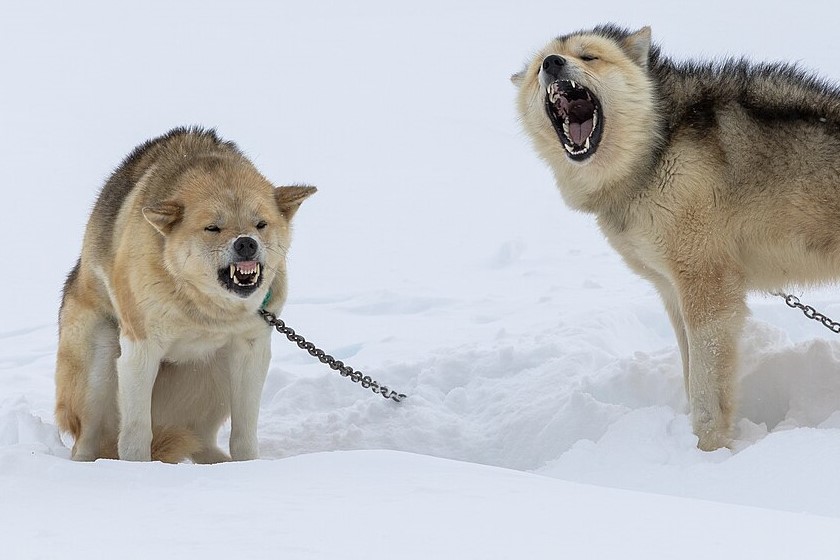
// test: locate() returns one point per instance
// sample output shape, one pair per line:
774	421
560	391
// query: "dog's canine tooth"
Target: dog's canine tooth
232	271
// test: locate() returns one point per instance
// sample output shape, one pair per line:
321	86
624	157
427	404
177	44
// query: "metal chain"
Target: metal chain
810	312
337	365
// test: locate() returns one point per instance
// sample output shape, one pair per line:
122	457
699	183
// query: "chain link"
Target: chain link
343	369
810	312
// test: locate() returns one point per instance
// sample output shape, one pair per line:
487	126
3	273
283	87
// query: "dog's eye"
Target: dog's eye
261	225
588	57
214	229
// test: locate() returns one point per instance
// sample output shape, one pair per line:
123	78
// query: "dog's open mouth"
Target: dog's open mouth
576	115
241	277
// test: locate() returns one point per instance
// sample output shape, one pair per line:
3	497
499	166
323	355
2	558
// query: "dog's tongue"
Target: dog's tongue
580	120
579	132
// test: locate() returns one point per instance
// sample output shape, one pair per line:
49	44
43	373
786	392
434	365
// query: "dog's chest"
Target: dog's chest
198	347
641	247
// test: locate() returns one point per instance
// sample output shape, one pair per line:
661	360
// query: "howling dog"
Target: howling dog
160	341
710	179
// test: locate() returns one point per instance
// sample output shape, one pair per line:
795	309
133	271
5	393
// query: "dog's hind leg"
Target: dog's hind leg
672	306
86	377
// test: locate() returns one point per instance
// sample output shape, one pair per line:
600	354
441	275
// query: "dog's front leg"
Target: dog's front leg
249	361
714	308
137	369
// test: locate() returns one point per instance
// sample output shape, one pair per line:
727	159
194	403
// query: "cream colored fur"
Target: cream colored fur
712	211
154	352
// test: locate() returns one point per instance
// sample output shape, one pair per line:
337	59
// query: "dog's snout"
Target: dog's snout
553	65
245	247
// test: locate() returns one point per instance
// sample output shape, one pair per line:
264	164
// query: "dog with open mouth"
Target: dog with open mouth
160	341
573	109
711	179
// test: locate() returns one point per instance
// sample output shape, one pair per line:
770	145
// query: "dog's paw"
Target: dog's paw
711	439
134	451
210	456
244	448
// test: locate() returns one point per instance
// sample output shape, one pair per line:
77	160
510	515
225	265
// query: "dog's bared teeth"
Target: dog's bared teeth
257	272
232	271
574	84
552	91
569	148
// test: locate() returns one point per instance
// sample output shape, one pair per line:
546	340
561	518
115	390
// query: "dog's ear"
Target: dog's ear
637	46
516	79
289	199
164	216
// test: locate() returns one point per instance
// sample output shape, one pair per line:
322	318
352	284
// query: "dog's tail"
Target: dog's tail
172	444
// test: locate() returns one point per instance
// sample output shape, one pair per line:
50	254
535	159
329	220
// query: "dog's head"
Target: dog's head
586	100
226	229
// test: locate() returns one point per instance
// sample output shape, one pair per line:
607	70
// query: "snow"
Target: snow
546	415
376	504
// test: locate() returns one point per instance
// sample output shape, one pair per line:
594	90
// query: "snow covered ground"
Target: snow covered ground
546	415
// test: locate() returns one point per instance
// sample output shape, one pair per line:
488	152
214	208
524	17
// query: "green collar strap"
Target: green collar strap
267	299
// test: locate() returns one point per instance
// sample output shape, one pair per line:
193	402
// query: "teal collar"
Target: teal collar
266	300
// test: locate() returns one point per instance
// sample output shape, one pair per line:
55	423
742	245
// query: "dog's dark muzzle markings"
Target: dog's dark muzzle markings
244	274
574	111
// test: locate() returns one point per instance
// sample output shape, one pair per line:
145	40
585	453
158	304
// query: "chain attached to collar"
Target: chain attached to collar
337	365
810	312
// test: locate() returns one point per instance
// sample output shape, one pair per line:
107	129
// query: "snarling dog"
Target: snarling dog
160	341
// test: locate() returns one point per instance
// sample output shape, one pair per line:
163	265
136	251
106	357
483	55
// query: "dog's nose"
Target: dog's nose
553	65
245	247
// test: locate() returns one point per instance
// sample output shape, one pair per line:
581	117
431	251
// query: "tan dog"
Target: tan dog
159	337
711	180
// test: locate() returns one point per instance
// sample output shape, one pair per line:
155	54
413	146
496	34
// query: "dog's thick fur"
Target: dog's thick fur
159	337
710	179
